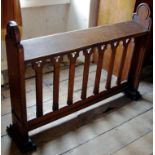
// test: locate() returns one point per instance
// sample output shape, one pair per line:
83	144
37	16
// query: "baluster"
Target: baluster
125	48
38	67
56	64
72	58
87	53
101	51
111	65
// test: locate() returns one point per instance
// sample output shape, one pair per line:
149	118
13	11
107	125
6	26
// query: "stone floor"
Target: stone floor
126	130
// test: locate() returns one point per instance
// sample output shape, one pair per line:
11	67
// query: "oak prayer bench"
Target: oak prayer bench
54	47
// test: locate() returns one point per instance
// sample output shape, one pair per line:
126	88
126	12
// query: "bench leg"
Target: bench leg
136	67
25	145
133	94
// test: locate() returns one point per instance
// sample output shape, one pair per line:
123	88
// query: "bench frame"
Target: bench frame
19	130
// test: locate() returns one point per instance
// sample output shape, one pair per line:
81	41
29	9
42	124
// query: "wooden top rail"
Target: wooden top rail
63	43
70	41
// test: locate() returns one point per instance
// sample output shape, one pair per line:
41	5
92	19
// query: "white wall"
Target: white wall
39	21
78	17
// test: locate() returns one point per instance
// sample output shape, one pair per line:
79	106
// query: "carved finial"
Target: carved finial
142	15
13	31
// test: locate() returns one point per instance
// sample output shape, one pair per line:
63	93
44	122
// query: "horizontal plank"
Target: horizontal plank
69	41
71	132
142	146
109	142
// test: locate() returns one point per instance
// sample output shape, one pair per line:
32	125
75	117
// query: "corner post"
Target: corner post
18	131
142	17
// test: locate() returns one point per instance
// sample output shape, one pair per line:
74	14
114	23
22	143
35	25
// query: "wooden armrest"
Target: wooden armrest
70	41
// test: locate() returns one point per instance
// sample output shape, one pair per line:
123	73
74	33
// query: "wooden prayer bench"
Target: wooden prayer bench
54	47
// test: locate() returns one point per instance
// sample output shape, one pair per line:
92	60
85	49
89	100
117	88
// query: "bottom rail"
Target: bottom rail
52	116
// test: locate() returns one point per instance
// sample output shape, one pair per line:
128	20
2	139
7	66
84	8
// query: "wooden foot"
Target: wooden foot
25	145
133	94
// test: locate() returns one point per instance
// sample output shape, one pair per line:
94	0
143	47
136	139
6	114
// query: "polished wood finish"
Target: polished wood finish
54	48
121	67
72	58
11	10
137	62
101	50
149	49
56	64
91	100
114	46
87	53
142	16
71	41
38	67
16	67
